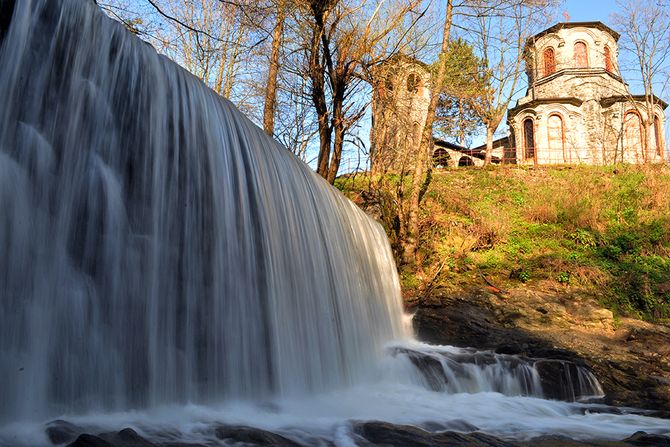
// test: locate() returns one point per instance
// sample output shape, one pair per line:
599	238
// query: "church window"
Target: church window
608	60
549	61
581	55
529	138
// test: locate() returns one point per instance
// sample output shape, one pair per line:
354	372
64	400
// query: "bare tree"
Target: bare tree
343	38
645	28
499	34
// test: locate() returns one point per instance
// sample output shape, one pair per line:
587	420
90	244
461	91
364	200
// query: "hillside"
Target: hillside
569	262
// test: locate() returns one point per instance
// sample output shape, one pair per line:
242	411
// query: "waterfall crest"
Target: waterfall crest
159	247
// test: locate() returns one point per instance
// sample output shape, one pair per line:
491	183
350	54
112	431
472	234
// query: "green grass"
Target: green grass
602	229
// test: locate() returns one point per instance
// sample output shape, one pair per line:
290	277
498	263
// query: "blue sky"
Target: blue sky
589	10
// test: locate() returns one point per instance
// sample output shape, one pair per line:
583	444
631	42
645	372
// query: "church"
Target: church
577	108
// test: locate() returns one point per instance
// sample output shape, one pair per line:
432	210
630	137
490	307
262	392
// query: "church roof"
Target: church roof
598	25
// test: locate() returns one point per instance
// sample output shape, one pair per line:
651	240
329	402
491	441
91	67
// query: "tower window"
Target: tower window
549	61
608	60
581	55
413	83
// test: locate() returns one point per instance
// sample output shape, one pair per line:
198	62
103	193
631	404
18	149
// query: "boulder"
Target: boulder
253	436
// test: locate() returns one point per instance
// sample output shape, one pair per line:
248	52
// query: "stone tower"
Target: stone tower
400	102
577	108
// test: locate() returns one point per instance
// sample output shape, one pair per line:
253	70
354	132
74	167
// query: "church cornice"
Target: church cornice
536	102
577	72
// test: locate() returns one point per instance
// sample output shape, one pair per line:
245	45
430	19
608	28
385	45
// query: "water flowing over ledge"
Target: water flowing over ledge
167	266
157	246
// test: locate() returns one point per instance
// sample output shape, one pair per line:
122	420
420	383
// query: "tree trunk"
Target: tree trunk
649	148
337	146
316	74
489	145
420	180
271	89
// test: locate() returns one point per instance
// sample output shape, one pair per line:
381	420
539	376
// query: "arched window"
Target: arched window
632	132
412	83
388	84
555	132
658	142
581	55
549	61
608	60
529	138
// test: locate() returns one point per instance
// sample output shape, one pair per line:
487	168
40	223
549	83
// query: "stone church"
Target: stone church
577	108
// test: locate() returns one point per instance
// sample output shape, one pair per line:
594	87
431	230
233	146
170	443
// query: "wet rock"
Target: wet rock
87	440
644	439
124	438
554	376
6	10
455	425
60	432
430	367
632	363
254	436
385	434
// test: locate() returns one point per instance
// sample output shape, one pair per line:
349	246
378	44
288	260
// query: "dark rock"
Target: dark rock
254	436
429	367
60	432
644	439
385	434
86	440
124	438
562	441
553	374
455	425
6	11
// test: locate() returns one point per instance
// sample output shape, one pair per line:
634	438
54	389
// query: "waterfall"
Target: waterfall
156	245
167	266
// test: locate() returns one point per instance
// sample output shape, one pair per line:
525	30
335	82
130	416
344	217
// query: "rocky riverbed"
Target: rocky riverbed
364	434
630	358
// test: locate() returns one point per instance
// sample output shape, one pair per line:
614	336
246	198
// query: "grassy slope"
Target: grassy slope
603	231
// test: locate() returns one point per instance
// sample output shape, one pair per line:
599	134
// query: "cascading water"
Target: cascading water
157	247
160	253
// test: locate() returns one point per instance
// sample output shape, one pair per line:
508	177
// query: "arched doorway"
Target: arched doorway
465	161
441	158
